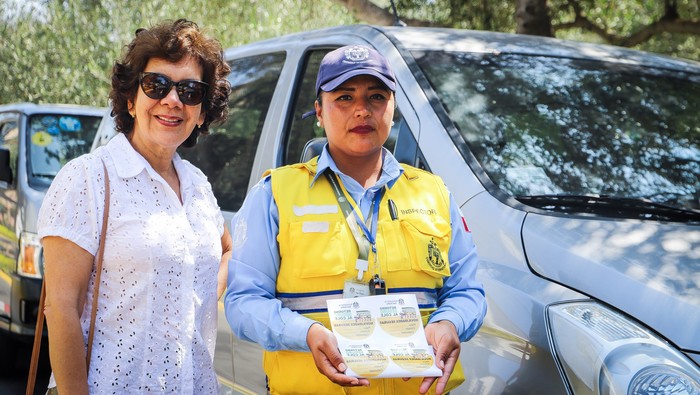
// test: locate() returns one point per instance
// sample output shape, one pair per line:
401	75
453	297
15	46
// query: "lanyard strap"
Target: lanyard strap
357	227
363	243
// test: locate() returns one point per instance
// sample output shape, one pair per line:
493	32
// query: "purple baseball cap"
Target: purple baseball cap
346	62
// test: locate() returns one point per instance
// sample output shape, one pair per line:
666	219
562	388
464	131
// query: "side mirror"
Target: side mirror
5	169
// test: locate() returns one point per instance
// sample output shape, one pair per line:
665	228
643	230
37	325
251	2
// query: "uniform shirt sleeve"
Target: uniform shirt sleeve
461	300
252	309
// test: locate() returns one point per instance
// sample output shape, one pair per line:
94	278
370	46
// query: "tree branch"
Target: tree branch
369	12
682	26
670	22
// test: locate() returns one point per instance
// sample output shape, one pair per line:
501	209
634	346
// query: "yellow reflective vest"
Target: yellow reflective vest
318	254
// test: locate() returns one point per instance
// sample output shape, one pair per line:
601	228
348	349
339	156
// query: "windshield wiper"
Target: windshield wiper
619	207
44	175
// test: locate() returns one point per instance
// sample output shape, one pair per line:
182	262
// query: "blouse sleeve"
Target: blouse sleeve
72	208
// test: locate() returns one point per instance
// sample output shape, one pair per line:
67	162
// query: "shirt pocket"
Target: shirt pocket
318	248
395	252
428	245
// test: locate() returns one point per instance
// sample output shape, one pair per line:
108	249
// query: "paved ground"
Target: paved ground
15	382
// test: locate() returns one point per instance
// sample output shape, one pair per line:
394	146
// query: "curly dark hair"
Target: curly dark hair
171	41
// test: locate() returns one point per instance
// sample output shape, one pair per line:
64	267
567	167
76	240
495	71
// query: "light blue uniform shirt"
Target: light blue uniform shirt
254	312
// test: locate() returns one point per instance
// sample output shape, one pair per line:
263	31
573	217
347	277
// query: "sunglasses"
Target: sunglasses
157	86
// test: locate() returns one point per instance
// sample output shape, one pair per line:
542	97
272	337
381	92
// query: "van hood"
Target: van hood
648	270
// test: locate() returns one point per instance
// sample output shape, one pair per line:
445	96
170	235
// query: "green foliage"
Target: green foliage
619	18
623	18
676	45
496	15
63	51
58	61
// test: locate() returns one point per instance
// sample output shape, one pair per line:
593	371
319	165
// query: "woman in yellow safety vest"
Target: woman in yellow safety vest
351	222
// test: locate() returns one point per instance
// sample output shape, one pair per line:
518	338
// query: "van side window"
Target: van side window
302	130
226	155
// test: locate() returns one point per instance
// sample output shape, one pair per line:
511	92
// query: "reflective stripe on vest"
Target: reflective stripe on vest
315	302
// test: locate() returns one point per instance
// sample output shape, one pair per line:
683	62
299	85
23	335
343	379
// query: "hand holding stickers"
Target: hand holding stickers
382	336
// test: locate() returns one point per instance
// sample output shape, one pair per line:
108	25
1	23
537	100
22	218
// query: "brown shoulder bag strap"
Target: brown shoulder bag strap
33	366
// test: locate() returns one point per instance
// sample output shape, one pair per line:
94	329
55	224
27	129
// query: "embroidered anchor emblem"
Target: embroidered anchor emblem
434	257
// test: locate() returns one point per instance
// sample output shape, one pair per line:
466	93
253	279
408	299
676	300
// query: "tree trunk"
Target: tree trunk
532	18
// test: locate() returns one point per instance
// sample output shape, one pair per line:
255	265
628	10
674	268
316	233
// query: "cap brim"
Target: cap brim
308	114
336	82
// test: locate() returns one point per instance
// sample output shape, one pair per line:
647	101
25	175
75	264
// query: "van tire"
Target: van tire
8	350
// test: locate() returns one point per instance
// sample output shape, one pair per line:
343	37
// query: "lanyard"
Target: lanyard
358	228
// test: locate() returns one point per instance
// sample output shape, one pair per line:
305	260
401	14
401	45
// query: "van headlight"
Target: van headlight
602	352
29	262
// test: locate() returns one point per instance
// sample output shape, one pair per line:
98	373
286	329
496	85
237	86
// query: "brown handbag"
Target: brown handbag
33	365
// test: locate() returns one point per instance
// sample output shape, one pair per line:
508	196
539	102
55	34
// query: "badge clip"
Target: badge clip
361	265
377	286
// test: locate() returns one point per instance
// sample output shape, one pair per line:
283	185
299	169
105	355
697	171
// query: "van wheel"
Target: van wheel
8	350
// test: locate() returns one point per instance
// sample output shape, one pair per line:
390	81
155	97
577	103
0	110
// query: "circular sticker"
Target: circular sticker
354	326
399	321
53	130
366	362
413	360
49	120
42	139
70	124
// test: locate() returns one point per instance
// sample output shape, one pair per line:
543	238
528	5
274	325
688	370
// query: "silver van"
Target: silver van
576	166
35	141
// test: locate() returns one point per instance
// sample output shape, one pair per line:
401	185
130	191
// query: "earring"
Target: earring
392	123
318	123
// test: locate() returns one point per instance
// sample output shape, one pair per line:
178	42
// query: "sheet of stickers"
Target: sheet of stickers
382	336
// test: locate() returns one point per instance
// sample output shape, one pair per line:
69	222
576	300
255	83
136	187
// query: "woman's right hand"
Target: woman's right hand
329	361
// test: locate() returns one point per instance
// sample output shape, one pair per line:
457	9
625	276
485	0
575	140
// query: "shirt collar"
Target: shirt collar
129	163
391	169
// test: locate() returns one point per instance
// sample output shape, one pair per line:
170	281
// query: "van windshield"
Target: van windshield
545	126
54	139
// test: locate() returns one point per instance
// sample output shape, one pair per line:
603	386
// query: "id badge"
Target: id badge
355	289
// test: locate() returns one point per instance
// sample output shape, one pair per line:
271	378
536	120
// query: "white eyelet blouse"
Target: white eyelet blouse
156	321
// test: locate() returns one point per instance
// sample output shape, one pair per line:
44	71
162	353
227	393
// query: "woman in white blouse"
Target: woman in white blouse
166	249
